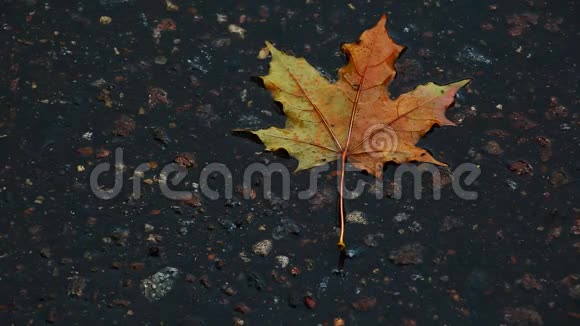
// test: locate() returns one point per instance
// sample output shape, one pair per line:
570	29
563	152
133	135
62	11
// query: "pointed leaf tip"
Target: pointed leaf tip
456	86
382	23
464	82
271	46
382	20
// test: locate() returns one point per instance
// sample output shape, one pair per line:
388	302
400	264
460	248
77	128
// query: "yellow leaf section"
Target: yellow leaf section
316	119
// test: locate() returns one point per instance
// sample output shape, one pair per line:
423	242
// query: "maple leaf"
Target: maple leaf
353	119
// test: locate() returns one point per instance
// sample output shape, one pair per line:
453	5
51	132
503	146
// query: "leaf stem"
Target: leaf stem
344	154
341	244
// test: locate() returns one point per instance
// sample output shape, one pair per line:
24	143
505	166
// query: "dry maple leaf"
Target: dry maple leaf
354	118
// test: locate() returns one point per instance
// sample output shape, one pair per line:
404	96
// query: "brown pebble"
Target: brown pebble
338	321
309	302
364	304
492	147
45	252
51	318
521	168
242	308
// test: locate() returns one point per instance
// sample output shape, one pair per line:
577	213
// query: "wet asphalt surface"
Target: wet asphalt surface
168	83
